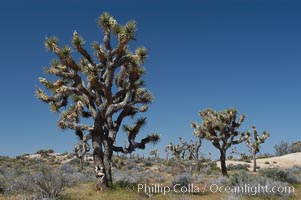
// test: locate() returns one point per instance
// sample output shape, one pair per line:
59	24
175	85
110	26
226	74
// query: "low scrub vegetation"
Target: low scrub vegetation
36	178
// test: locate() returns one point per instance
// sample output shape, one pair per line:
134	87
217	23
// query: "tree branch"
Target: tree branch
134	145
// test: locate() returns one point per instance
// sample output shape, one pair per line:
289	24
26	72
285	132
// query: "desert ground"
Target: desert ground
18	177
283	162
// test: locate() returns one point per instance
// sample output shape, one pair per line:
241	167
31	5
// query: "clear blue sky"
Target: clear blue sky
237	53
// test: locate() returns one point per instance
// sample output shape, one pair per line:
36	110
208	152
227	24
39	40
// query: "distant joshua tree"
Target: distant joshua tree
255	143
105	89
82	148
154	153
185	150
220	128
176	150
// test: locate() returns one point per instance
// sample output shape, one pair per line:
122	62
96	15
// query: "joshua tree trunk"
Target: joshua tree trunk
101	182
223	163
108	153
196	154
254	161
81	161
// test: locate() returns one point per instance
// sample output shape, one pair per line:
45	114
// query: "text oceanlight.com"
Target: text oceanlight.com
213	188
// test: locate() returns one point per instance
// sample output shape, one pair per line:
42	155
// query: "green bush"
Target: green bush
182	180
48	184
148	163
241	178
232	167
274	174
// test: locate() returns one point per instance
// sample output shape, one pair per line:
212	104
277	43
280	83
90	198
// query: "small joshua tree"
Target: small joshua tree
176	150
255	143
105	89
220	128
185	150
154	153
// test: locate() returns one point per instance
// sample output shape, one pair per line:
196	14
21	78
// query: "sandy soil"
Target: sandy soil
285	161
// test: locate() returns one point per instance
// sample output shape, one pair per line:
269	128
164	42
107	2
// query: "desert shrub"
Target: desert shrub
242	178
45	183
2	184
22	184
293	175
210	168
73	175
119	162
65	153
282	148
213	164
265	155
238	167
158	178
75	161
70	156
139	160
140	169
124	178
199	178
131	164
295	147
47	150
49	184
295	169
23	156
148	163
167	169
68	169
42	151
157	160
8	177
266	162
35	164
220	180
50	151
230	157
285	148
170	163
274	174
136	160
182	180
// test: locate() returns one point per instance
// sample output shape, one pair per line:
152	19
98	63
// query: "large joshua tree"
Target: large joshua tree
220	128
103	90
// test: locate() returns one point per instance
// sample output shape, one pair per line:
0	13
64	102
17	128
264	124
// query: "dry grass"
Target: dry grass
87	192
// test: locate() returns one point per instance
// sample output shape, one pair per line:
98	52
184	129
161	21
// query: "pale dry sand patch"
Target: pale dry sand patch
284	162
